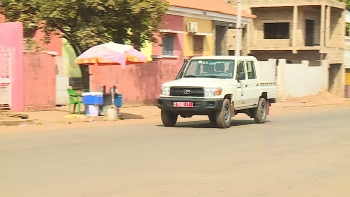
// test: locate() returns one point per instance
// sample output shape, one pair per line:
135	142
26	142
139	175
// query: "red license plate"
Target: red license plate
183	104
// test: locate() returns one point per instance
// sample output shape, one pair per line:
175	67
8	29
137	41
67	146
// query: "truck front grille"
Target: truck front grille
195	92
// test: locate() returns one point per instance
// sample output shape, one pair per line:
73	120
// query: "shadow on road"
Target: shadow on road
207	124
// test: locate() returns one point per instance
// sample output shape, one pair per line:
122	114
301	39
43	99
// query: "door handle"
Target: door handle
246	85
257	84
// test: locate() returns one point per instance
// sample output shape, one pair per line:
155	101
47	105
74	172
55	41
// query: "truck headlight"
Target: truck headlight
212	92
165	91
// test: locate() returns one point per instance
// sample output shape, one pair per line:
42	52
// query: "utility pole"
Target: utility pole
238	28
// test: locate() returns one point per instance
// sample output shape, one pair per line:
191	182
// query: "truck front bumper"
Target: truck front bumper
200	105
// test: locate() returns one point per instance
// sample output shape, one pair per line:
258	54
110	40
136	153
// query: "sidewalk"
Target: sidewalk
60	115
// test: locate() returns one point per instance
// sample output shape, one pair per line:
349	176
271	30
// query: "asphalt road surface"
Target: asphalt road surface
297	153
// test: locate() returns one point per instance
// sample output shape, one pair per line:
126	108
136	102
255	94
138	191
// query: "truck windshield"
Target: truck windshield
217	68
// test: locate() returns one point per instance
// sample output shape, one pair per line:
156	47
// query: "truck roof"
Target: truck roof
231	57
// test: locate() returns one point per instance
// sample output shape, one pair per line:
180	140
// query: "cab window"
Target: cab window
251	70
241	73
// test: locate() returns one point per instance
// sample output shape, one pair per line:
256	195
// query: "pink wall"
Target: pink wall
172	22
175	23
39	81
54	45
11	36
139	84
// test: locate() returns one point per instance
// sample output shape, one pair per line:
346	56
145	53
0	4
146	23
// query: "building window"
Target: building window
198	42
276	30
168	44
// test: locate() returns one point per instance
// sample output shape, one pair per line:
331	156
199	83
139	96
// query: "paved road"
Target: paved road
297	153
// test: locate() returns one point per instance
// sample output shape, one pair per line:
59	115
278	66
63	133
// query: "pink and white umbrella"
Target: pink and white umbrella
111	54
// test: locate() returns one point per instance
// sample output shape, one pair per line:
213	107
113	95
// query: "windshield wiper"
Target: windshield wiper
190	76
211	76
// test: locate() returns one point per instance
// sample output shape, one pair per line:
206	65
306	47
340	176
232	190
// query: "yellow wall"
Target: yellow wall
204	26
347	76
147	50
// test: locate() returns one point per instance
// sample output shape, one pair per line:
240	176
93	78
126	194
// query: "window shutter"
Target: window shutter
168	44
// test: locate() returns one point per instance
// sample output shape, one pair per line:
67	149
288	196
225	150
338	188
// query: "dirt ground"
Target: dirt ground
323	98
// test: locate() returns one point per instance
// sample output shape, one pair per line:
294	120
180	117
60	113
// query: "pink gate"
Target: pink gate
5	77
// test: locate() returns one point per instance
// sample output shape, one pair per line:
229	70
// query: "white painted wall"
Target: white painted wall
299	80
295	80
267	70
62	83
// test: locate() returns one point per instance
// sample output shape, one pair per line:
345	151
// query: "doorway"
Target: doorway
220	32
309	32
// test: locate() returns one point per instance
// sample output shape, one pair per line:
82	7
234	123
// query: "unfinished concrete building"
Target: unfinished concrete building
296	30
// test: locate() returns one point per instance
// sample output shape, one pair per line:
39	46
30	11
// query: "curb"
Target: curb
6	123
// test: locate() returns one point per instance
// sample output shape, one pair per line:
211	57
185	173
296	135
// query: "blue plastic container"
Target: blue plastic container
118	101
92	98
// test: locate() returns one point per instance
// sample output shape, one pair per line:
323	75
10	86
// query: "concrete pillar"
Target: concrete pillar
224	45
295	28
322	29
325	76
280	79
273	63
328	25
307	89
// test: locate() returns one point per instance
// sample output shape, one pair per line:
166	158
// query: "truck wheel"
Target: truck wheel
223	117
169	119
260	111
212	117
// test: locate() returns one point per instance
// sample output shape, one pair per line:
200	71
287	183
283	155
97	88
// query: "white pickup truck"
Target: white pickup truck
219	87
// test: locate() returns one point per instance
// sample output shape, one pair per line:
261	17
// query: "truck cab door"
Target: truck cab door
253	84
241	77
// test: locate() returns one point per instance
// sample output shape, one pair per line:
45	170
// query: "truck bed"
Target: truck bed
270	87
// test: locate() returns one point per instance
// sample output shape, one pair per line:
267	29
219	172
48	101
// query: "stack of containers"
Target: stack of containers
92	102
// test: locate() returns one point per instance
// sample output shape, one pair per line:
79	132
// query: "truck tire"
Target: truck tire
169	119
223	117
260	112
212	117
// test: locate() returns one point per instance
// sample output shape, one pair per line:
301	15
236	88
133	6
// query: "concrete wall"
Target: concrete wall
268	70
11	36
270	15
312	56
54	45
298	80
39	82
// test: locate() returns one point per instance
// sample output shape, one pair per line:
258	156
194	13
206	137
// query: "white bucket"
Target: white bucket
93	110
111	114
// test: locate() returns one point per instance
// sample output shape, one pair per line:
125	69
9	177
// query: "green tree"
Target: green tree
85	23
